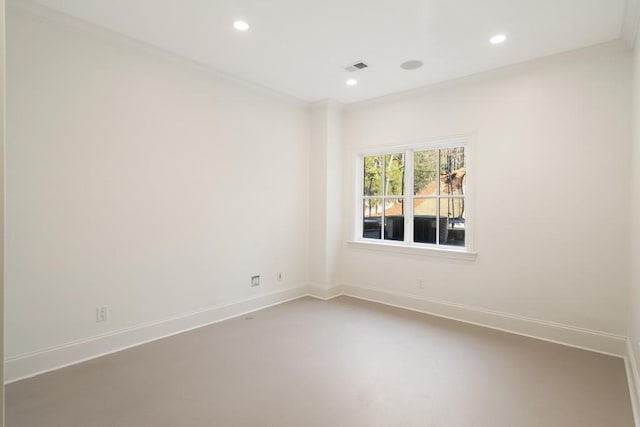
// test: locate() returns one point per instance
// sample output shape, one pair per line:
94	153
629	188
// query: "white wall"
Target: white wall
2	148
634	296
318	187
551	179
140	182
325	214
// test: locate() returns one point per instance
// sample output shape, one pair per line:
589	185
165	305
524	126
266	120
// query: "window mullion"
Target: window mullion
360	210
408	197
437	197
383	193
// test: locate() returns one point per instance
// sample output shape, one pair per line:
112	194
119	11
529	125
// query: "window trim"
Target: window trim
412	249
406	246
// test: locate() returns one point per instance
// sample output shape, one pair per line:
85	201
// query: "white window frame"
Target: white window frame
408	246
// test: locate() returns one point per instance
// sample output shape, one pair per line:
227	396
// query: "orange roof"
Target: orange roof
430	189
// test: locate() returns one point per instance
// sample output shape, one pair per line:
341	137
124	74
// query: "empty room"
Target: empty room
333	213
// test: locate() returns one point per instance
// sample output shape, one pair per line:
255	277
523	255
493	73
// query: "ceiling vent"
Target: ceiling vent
357	66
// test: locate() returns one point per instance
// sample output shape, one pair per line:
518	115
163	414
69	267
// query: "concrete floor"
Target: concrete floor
343	362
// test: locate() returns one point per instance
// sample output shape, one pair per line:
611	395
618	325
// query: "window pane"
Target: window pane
394	219
394	174
372	219
452	171
424	172
452	211
424	220
372	176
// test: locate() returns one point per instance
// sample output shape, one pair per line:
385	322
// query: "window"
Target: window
416	196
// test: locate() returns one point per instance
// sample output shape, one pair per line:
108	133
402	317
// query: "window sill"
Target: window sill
399	248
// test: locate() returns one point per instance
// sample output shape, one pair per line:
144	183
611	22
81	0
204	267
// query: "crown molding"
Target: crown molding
48	15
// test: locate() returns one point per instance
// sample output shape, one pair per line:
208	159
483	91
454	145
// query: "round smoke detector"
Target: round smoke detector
411	65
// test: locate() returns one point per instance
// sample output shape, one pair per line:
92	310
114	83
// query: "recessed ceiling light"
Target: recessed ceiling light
498	38
411	65
352	82
240	25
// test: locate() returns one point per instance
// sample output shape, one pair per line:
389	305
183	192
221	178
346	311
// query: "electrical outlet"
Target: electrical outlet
255	281
279	276
101	314
421	283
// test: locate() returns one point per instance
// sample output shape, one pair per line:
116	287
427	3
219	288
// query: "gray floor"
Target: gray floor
343	362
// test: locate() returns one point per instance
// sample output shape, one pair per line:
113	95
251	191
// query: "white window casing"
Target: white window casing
408	246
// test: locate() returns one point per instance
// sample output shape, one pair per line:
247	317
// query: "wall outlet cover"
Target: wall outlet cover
102	314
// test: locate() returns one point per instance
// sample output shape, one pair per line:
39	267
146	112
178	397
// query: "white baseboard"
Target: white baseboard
324	292
31	364
634	381
586	339
38	362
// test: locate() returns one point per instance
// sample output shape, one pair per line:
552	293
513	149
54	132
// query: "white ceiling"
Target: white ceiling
299	47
